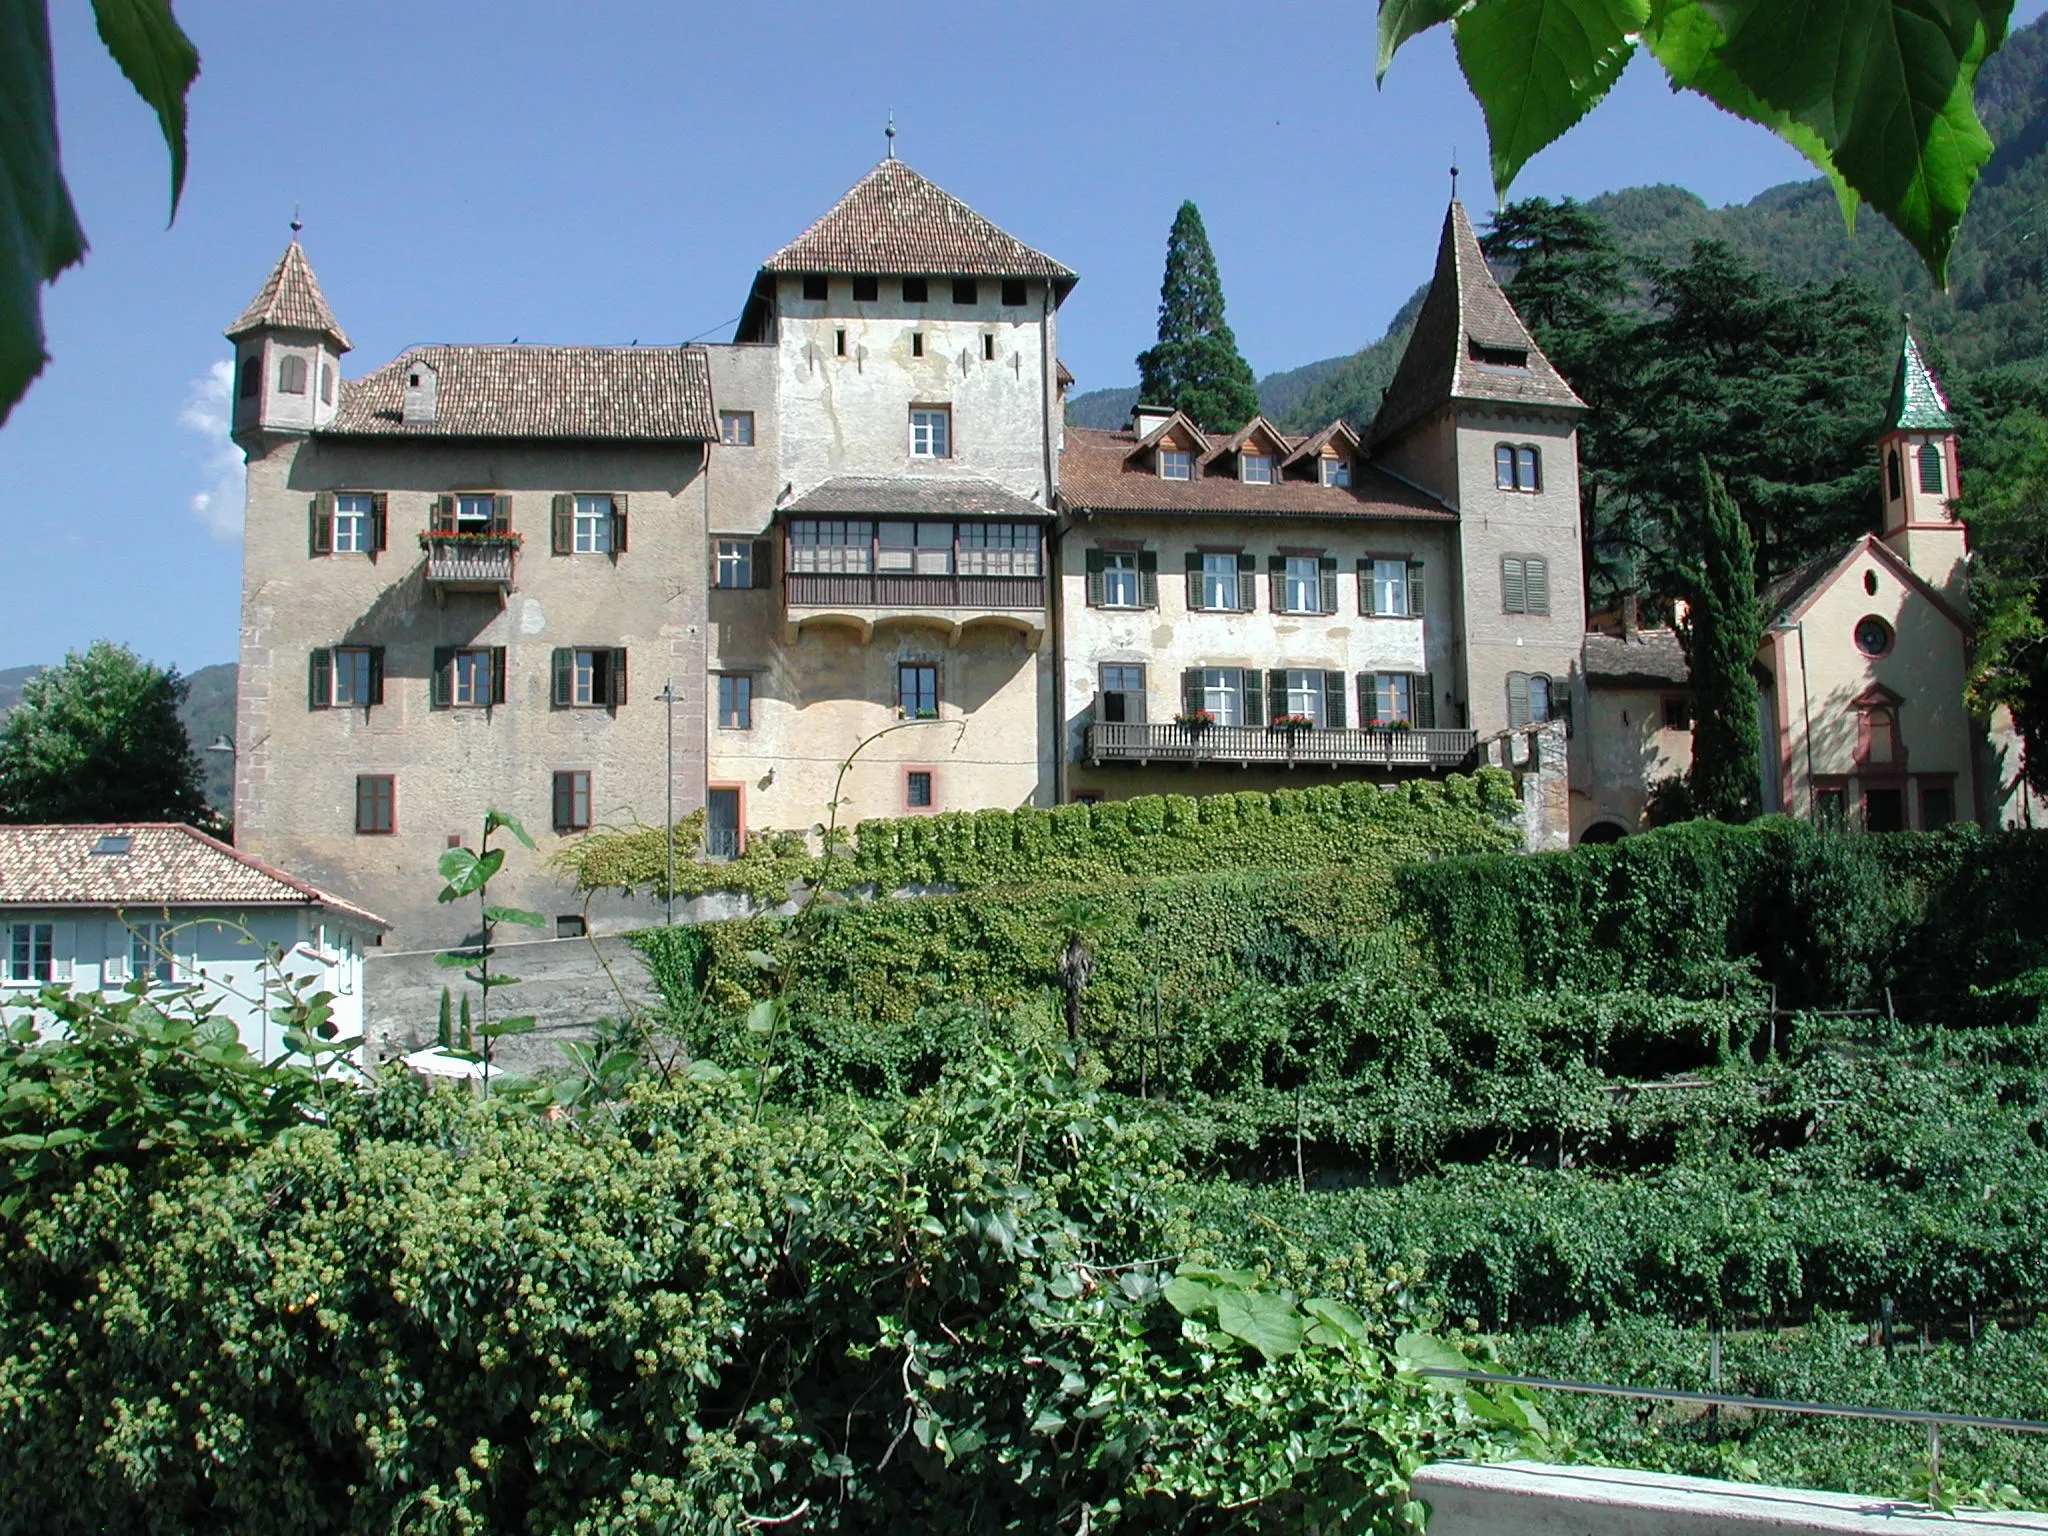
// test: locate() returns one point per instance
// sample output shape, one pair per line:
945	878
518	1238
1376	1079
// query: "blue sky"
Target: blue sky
609	172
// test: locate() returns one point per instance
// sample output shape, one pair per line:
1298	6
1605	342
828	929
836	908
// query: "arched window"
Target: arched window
1892	483
252	378
1930	468
1529	701
1517	467
327	383
1880	736
291	376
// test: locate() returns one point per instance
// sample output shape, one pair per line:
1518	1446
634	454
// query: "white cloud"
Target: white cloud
207	406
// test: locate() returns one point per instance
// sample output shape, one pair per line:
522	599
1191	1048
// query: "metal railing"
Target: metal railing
1316	747
722	842
903	589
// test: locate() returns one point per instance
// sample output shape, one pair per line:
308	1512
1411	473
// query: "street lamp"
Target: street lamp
222	742
668	697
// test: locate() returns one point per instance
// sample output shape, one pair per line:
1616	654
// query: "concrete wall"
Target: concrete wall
296	767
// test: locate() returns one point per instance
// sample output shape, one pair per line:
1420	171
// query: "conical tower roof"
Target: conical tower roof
290	300
1468	343
1918	405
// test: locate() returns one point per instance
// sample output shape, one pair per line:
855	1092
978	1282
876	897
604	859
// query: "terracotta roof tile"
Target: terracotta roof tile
649	393
1464	317
165	864
895	221
290	299
1096	476
880	496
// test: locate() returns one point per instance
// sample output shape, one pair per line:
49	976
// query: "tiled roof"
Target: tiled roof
1648	656
642	393
166	864
1786	600
1096	476
1918	405
881	496
1790	590
1465	313
894	221
290	299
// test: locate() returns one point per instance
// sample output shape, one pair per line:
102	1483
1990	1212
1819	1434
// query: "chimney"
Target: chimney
1146	419
1631	615
420	383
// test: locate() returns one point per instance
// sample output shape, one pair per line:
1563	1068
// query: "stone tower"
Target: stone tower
1921	476
288	349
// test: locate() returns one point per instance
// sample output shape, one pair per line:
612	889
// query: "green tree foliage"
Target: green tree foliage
1876	93
2005	504
1722	631
39	231
1196	367
99	739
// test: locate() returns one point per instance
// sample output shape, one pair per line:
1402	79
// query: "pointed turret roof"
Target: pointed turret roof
290	300
1918	405
893	221
1468	343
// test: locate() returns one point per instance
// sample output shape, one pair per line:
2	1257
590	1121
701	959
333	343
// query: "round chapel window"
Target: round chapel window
1873	636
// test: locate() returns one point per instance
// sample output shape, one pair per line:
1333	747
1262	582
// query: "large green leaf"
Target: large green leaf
1269	1323
1886	85
159	61
39	233
1538	66
1402	19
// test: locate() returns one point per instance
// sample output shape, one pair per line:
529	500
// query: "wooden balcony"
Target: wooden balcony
867	600
470	562
1244	745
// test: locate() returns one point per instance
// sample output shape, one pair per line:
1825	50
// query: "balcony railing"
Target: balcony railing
1311	748
470	562
902	589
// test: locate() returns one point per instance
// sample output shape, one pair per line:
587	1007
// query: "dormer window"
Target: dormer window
1497	357
291	376
1176	464
1255	468
1336	471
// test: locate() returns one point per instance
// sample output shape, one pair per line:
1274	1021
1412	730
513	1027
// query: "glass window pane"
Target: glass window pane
1223	694
1390	587
1219	580
1304	583
1504	467
593	525
1539	698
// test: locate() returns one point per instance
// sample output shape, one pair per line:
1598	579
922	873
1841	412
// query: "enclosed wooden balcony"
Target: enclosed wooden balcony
470	562
1426	750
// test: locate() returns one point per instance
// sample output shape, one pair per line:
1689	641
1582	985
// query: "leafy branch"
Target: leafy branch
470	874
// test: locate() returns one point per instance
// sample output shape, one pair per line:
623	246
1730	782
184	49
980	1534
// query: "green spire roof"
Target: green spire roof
1918	404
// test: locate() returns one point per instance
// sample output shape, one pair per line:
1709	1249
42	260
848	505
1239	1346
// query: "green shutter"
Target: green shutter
1191	690
442	518
1333	700
1368	699
562	525
1148	577
320	679
1194	581
498	671
1416	586
1536	584
1514	594
376	674
1276	694
1518	698
1276	582
1247	582
618	524
1249	679
616	690
320	537
1326	567
1425	701
441	686
1094	562
562	678
1365	595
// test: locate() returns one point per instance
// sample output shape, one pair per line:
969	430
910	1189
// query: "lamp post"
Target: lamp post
668	697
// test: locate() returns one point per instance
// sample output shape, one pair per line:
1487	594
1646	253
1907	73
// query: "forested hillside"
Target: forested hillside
1994	314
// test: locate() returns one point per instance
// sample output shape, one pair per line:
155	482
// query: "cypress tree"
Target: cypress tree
1196	367
1721	635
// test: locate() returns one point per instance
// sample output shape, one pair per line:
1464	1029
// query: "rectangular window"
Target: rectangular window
476	514
917	343
866	290
572	801
149	953
469	678
917	789
917	691
931	432
1255	468
588	678
999	549
839	343
831	546
988	349
376	804
966	291
572	926
817	287
735	701
1677	713
1831	807
1221	694
736	428
916	290
1937	806
1219	589
1120	584
1301	584
723	836
1176	464
1393	698
352	677
1302	695
733	563
1524	584
1390	588
1884	810
1123	695
592	534
31	953
1336	471
1013	293
914	549
353	516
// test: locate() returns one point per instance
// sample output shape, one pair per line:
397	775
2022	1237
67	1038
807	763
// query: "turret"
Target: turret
1921	475
288	349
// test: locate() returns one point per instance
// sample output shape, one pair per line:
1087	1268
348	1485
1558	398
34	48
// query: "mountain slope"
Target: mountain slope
208	713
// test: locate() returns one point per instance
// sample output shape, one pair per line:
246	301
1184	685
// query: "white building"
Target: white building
93	907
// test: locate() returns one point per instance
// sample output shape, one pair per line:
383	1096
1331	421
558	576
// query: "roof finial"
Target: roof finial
1454	173
296	225
890	134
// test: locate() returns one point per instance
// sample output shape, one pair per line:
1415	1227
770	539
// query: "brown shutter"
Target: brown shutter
562	677
562	525
498	671
1415	589
1247	582
376	674
501	513
618	524
380	523
616	694
321	535
441	688
1326	567
1365	586
1094	561
1368	699
444	514
320	679
1148	577
1333	700
1254	702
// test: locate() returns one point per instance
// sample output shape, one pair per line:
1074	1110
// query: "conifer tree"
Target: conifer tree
1721	635
1196	367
